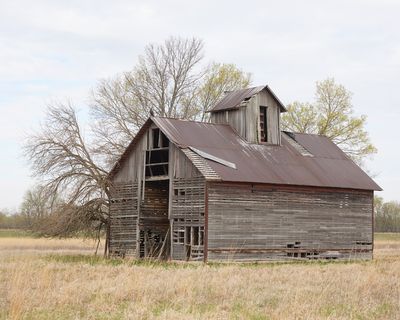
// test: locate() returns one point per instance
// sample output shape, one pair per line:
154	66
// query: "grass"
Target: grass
15	233
61	279
388	236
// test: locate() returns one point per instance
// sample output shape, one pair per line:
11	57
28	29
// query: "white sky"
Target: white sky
59	49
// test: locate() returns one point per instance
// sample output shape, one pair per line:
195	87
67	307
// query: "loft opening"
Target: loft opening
157	154
158	138
263	124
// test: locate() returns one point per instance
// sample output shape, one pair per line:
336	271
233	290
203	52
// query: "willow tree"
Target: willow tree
331	115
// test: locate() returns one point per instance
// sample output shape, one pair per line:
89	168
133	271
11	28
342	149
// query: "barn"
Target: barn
238	188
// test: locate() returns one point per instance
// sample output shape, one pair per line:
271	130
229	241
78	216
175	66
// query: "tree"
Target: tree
37	205
331	115
170	81
13	220
61	158
163	81
387	215
219	79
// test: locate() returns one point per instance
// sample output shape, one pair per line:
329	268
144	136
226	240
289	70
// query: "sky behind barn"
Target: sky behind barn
59	49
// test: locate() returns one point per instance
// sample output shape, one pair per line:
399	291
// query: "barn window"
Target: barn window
263	124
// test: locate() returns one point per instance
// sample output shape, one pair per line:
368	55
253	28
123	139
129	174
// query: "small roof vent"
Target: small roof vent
289	137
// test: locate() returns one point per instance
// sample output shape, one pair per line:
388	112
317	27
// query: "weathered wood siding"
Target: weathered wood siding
263	98
147	216
250	222
180	166
246	119
132	167
123	218
125	200
187	204
187	218
236	118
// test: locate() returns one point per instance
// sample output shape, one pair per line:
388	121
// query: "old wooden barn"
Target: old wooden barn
238	188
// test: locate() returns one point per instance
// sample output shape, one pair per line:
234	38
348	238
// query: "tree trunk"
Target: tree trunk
107	243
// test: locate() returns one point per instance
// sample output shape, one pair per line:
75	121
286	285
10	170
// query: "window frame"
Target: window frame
263	113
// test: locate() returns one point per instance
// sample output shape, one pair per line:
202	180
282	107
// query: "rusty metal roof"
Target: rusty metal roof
327	167
235	98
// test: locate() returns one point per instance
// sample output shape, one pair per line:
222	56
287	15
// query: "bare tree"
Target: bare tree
170	81
61	159
37	205
163	81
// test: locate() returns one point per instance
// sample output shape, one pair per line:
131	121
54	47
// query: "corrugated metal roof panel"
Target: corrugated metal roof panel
328	167
235	98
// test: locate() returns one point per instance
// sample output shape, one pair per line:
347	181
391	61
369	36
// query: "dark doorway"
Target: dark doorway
154	238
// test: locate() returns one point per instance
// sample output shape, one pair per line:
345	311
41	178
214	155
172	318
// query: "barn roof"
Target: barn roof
302	159
235	99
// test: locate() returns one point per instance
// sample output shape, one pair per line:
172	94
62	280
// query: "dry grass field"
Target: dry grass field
61	279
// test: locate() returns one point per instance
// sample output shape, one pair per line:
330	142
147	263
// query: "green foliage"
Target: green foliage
331	115
219	78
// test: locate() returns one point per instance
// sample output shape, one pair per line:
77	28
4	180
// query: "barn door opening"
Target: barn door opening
154	239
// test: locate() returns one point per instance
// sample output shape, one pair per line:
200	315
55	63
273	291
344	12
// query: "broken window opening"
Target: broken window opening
164	143
292	253
263	124
158	139
201	236
157	157
156	136
195	240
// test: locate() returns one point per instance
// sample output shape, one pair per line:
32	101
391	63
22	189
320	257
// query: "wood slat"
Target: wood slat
123	218
248	223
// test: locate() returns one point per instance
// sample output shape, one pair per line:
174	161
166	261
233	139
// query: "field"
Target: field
61	279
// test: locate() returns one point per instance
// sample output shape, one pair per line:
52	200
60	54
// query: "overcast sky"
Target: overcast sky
59	49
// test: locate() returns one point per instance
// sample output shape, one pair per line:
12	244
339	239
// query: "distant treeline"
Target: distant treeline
14	221
387	215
